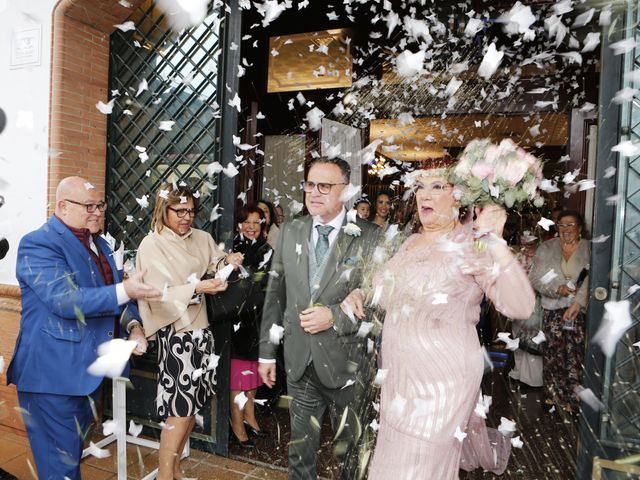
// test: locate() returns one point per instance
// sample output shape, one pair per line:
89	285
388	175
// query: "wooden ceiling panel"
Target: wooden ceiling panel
309	61
428	137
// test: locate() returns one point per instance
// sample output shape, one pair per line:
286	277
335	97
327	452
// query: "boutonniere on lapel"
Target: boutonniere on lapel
352	229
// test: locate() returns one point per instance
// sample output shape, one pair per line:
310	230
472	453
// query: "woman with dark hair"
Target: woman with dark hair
382	210
176	257
245	380
559	274
271	217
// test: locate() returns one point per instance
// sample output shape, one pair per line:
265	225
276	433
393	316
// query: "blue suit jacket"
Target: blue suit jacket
67	311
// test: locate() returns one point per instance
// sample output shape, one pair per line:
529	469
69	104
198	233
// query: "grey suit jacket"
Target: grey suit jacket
337	353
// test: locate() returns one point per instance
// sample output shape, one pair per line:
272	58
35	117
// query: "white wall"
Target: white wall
24	97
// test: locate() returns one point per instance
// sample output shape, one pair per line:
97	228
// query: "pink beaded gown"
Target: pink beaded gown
433	358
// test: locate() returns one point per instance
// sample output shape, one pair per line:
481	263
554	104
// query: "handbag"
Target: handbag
529	329
226	306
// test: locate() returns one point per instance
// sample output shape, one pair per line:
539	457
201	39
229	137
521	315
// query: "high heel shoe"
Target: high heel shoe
246	444
256	433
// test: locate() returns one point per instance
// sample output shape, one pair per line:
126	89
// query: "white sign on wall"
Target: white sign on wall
26	47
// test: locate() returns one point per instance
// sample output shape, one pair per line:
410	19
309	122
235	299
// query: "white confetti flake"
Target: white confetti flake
616	321
511	344
623	46
507	427
516	442
1	364
97	452
609	172
490	62
539	338
440	298
374	425
398	404
143	201
588	397
348	384
105	108
584	18
562	7
142	86
518	20
109	427
586	184
381	376
113	357
314	118
214	359
474	25
270	10
183	14
134	428
625	95
600	239
547	277
166	125
409	64
350	191
459	434
230	170
627	148
126	26
275	334
545	223
240	400
591	41
235	102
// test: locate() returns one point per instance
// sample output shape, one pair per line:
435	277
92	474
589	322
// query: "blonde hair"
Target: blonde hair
171	196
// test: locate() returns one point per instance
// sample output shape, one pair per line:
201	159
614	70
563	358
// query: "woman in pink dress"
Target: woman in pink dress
431	290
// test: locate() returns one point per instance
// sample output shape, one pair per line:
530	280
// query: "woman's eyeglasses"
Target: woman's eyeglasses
182	212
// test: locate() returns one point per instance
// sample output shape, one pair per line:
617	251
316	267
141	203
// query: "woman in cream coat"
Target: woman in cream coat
176	257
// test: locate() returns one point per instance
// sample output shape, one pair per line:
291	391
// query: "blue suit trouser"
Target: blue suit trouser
56	426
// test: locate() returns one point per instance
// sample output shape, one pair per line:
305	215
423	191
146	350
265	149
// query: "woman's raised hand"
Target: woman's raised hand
490	220
353	304
211	286
234	259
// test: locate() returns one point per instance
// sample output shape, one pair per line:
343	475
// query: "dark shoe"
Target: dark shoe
256	433
247	444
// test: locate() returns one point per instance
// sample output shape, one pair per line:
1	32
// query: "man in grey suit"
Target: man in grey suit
318	260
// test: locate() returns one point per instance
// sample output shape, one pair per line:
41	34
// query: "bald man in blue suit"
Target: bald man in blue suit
72	299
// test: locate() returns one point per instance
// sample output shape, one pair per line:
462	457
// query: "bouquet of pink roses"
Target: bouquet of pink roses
503	174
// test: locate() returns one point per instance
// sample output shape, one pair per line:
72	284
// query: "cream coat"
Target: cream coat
174	265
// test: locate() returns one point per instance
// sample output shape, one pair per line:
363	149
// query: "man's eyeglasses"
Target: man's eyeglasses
182	212
91	207
323	187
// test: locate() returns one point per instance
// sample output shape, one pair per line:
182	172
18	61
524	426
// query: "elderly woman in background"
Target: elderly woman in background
175	257
559	275
245	337
272	229
431	291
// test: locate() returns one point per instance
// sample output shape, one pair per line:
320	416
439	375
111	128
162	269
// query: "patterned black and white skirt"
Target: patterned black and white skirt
186	371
